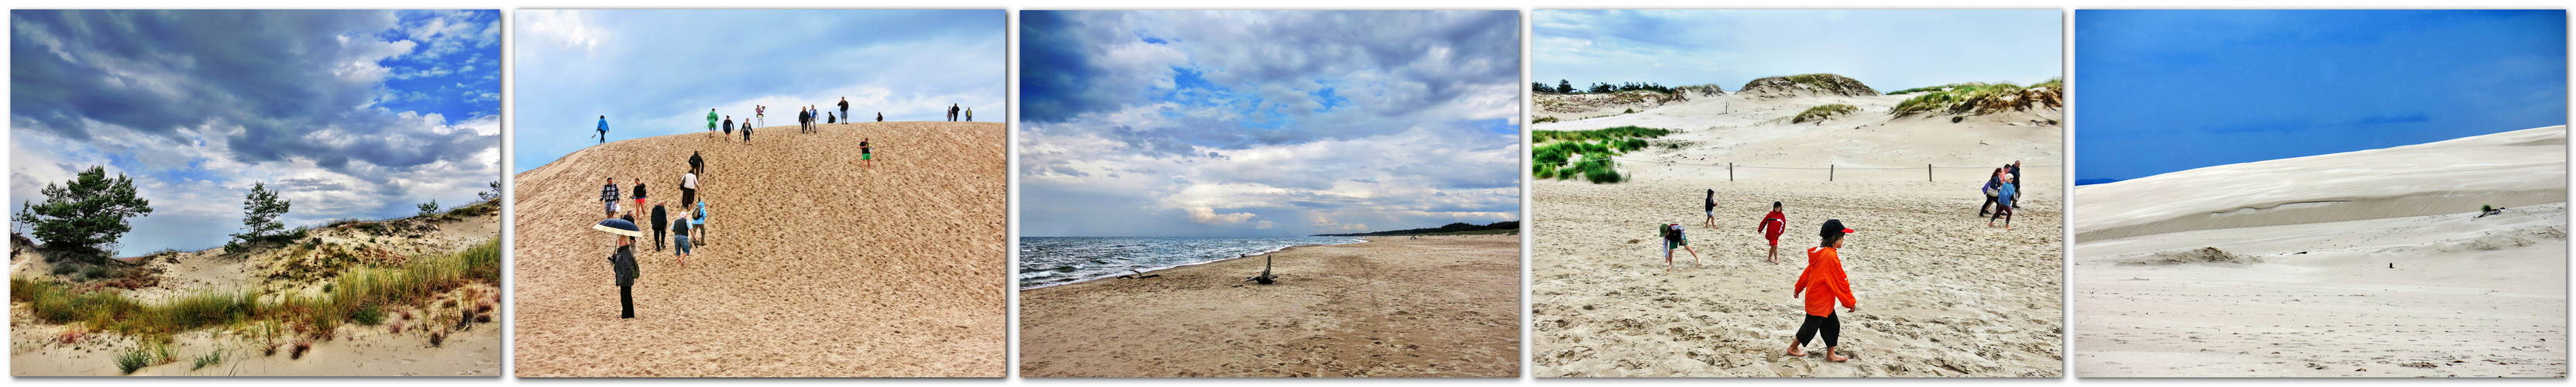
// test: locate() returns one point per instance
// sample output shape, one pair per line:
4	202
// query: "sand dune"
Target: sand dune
2341	282
1749	129
814	266
387	349
2438	295
2517	168
1392	307
1941	293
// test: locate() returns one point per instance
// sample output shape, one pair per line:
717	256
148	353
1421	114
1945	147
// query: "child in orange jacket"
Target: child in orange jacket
1823	284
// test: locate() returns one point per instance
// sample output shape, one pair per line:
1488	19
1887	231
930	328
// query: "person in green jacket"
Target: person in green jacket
711	122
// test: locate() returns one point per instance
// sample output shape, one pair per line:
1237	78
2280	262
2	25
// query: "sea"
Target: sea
1051	261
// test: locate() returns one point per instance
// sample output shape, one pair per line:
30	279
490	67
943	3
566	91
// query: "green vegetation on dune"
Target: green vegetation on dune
1623	132
1975	98
1553	157
1822	112
416	283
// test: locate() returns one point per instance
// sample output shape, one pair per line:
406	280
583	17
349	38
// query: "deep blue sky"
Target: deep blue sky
2161	91
1267	123
350	114
656	72
1888	49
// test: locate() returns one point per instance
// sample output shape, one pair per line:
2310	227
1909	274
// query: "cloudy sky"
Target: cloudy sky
656	72
1887	49
2168	90
1267	123
352	114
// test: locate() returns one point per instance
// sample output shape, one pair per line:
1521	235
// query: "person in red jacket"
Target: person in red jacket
1772	225
1823	284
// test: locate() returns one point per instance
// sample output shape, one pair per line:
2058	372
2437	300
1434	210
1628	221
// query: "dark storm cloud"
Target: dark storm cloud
294	82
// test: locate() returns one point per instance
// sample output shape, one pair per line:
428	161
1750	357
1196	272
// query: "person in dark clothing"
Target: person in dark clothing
865	155
1709	206
696	164
2015	168
845	107
728	125
828	118
608	196
746	134
880	116
639	196
688	190
661	221
623	261
1994	183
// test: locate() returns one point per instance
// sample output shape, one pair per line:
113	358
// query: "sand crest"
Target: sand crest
815	267
1392	307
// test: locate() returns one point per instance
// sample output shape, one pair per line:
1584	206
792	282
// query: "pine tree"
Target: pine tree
86	213
260	210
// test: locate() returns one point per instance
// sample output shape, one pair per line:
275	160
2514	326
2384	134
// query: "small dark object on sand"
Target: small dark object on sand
1140	274
1265	278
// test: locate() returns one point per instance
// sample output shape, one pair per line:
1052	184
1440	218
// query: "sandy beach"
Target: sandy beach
2371	263
1940	292
813	266
1393	307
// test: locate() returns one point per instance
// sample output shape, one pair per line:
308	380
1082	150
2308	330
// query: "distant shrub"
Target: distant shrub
1822	112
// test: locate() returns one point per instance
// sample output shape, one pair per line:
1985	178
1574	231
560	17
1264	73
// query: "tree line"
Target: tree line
1567	87
1452	227
88	214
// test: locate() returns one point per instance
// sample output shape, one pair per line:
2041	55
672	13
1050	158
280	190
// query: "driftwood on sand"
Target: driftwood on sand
1265	278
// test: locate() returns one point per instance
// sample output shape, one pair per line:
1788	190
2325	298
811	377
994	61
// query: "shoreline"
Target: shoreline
1160	270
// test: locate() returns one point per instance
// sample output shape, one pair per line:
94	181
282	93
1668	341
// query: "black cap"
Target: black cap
1775	204
1834	227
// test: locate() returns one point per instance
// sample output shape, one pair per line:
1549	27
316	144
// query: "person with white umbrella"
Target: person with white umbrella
623	261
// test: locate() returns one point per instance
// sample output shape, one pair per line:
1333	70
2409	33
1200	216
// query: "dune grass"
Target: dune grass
1554	160
1974	98
1822	112
415	283
1623	132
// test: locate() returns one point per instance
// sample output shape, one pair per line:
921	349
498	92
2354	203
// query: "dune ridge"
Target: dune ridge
813	266
2518	168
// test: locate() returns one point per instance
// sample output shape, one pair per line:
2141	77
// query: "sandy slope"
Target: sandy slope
1393	307
1942	294
1754	129
2508	169
2299	293
37	349
815	267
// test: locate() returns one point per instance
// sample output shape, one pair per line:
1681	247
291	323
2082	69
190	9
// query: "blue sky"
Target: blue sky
1887	49
2165	91
1267	123
351	114
656	72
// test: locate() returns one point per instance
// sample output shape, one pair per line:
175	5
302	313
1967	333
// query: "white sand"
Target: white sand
2349	286
2508	169
1941	293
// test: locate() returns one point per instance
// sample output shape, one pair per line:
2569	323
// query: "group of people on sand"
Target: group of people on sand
685	226
727	125
1822	284
954	112
2003	192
